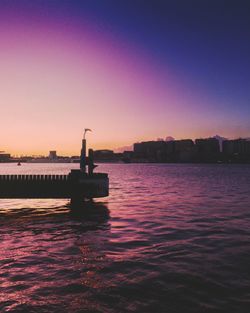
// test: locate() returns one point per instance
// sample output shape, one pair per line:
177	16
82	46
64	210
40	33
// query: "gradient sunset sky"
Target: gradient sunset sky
131	70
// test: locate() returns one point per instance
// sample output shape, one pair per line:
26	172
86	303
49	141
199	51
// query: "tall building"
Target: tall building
237	150
153	151
184	150
104	155
4	157
52	155
169	153
208	150
237	146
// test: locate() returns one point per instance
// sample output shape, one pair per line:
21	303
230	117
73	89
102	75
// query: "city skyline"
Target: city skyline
131	72
61	151
201	150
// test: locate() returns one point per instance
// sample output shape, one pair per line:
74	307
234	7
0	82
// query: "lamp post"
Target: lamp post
83	159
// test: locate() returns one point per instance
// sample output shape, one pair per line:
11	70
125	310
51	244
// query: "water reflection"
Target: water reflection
90	210
177	239
55	254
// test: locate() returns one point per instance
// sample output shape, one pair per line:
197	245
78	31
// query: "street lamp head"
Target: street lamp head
85	131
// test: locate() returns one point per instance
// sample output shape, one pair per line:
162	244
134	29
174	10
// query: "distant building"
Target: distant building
237	146
208	150
52	155
165	151
237	150
205	150
184	150
127	156
169	152
5	157
104	155
152	151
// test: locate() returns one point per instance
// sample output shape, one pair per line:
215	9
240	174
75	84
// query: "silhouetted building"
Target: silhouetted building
104	155
152	151
184	150
237	150
52	155
208	150
169	151
127	156
237	146
202	150
4	157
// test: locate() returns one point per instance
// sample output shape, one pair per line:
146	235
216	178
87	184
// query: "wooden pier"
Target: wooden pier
78	185
82	186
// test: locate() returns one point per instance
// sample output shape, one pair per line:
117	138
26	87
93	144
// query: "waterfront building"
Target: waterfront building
184	150
153	151
5	157
237	146
169	155
104	155
237	150
52	155
208	149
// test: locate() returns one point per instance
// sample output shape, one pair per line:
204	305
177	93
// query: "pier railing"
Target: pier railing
34	177
74	185
47	177
78	184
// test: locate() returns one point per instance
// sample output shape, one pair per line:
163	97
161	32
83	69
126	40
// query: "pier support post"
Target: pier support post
83	156
91	165
77	201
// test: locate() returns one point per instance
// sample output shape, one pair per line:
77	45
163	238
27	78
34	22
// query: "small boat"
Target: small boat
19	163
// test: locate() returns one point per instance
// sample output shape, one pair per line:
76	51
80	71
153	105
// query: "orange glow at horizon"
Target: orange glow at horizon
54	84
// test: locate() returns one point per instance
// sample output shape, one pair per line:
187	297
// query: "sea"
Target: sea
171	238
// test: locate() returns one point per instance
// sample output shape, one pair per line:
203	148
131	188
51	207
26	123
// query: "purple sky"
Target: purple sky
130	70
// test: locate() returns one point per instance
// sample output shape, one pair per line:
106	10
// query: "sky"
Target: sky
131	70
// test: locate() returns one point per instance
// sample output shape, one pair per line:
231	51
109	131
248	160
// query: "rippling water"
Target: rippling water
169	238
